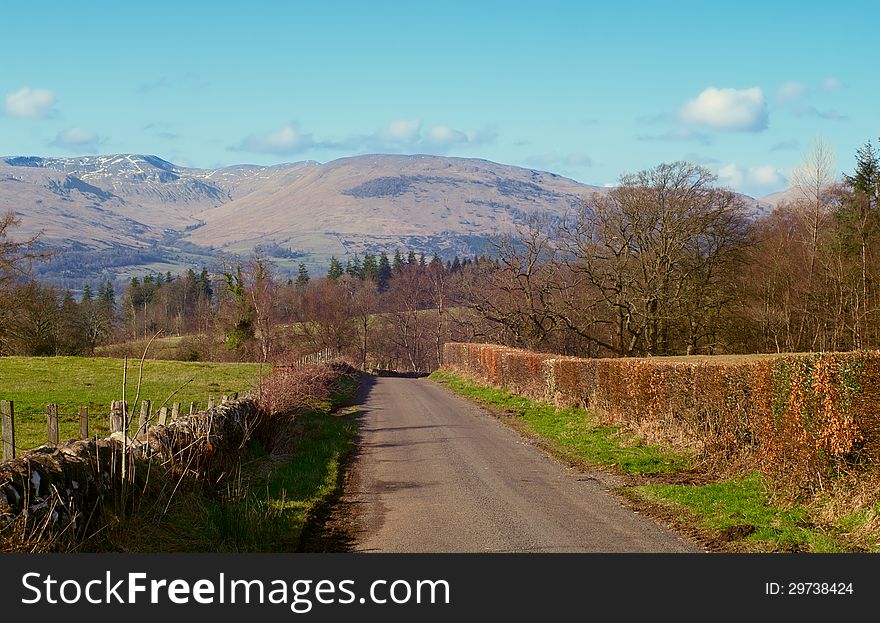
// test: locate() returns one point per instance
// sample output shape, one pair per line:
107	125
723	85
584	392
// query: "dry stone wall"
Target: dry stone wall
63	489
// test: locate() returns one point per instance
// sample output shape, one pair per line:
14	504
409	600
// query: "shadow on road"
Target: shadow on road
331	525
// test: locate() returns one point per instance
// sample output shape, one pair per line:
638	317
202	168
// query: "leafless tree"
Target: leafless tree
656	251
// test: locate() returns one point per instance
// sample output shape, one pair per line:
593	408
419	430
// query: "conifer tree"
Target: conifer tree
335	270
383	273
302	277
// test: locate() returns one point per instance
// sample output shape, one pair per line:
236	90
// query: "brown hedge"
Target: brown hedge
801	418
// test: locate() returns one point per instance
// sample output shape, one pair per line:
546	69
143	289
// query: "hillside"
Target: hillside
118	215
121	214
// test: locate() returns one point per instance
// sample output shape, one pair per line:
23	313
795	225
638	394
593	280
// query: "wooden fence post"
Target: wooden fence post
175	411
7	408
210	402
144	418
52	423
163	416
116	418
224	399
83	422
192	408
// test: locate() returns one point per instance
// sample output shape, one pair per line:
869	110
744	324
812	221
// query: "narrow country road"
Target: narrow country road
436	473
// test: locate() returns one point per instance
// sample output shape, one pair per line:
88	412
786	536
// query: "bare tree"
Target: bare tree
517	292
16	256
813	180
655	250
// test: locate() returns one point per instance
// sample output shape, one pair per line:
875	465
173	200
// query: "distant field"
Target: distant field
160	348
32	382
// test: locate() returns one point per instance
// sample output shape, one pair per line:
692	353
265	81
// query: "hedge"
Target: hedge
798	417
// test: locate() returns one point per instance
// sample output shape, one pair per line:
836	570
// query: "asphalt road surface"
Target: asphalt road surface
435	473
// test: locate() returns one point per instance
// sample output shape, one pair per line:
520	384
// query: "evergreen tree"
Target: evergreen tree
398	261
436	261
302	277
383	273
422	261
148	289
87	295
456	265
356	270
204	285
135	292
370	269
190	287
106	294
866	180
411	258
335	270
106	305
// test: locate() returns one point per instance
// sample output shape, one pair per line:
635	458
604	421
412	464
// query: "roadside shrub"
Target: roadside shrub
288	391
803	419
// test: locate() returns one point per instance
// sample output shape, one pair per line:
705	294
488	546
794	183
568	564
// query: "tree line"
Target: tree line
669	262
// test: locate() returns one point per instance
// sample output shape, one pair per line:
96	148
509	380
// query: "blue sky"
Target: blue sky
590	90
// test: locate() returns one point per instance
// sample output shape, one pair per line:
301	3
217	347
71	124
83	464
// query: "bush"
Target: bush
801	418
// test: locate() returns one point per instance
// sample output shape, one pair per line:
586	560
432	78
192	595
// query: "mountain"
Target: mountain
370	203
117	215
789	195
114	216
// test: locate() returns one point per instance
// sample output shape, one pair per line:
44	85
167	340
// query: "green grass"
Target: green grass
32	382
572	433
745	501
160	348
263	514
295	488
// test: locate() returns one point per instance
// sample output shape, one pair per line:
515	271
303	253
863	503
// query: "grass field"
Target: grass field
69	382
160	348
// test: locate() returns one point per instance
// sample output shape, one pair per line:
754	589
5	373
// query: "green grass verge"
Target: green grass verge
743	511
572	434
737	514
32	382
265	514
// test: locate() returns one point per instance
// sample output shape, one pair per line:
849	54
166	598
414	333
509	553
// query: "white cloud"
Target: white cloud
400	131
789	91
444	136
832	84
408	135
284	141
755	180
31	103
398	136
728	109
77	140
